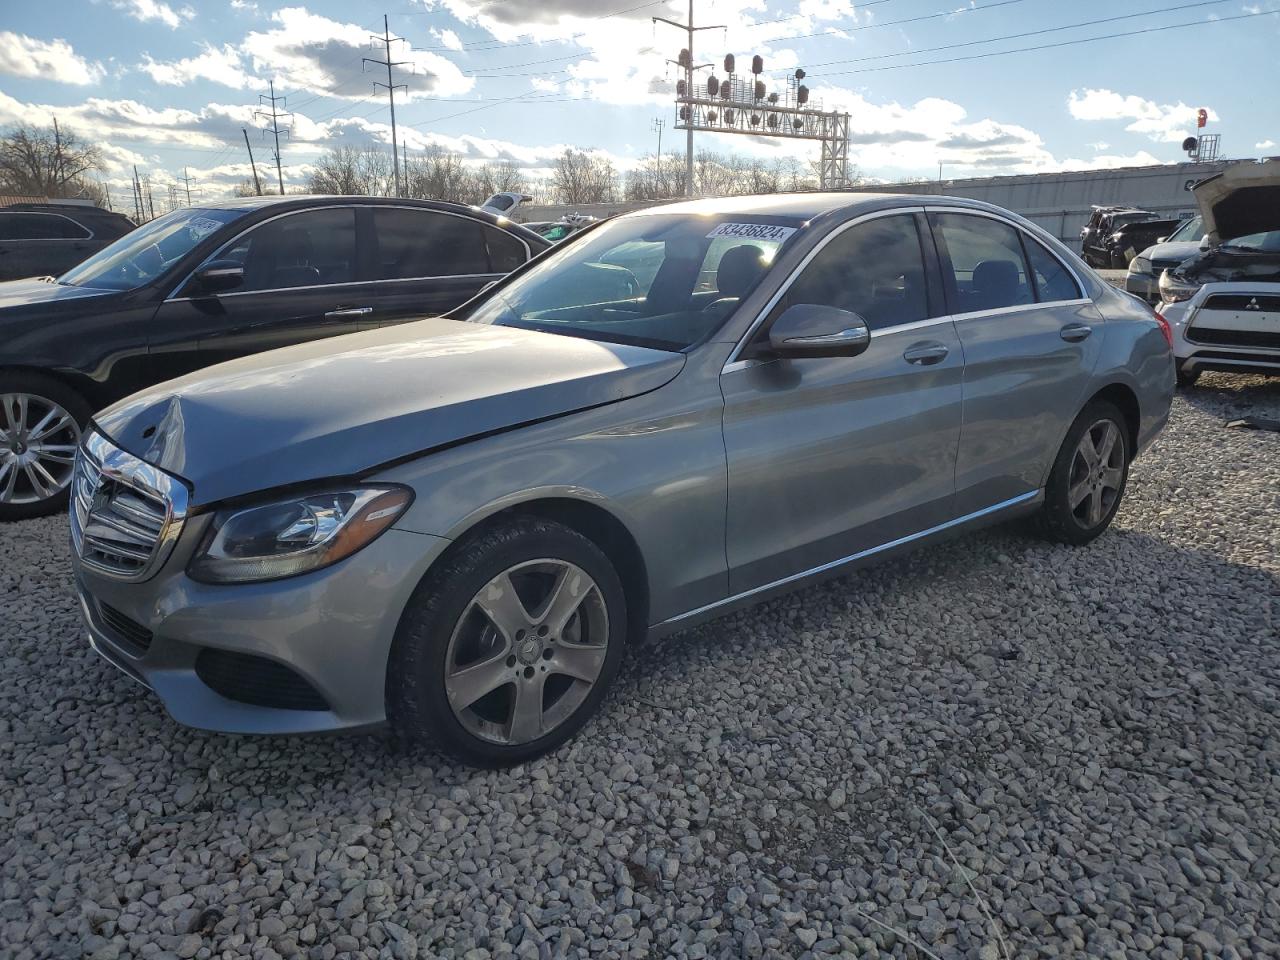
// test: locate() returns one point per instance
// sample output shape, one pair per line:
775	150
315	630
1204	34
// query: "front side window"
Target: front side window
874	269
307	249
423	243
142	255
659	280
505	251
984	267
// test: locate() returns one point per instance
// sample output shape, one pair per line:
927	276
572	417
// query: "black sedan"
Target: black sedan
203	285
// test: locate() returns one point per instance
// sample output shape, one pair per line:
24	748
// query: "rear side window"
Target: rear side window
423	243
874	269
1051	277
984	267
505	251
40	226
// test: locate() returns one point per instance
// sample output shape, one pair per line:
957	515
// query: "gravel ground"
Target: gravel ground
996	748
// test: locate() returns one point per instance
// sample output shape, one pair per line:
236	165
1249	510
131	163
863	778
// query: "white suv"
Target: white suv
1223	304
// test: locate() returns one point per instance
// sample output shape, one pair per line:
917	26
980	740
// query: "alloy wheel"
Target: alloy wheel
527	651
1097	473
38	441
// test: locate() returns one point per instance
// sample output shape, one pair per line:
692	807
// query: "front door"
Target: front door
1031	340
301	282
830	457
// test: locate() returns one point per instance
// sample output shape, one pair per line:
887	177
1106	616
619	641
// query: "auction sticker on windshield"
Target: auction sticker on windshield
753	231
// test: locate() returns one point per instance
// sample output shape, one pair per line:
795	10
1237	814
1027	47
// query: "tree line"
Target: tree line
52	162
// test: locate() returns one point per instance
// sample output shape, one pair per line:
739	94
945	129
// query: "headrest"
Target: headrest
739	267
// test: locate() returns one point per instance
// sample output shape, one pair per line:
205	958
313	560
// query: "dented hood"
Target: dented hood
1243	199
339	407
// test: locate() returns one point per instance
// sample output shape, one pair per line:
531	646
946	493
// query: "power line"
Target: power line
1028	33
894	23
1053	46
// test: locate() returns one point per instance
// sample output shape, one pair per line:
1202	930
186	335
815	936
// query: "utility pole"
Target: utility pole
387	39
658	124
257	184
151	201
689	68
274	116
186	178
137	196
57	158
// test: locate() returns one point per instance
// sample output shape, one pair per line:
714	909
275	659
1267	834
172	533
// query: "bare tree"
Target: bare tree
582	177
657	178
245	188
502	176
47	162
437	174
353	171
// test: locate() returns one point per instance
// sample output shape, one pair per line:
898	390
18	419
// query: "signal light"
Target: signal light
685	59
726	91
797	123
773	120
757	64
711	116
684	113
682	88
759	89
799	74
755	119
802	93
773	97
728	116
713	86
728	63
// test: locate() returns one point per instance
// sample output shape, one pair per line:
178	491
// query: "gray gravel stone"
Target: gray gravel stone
1093	732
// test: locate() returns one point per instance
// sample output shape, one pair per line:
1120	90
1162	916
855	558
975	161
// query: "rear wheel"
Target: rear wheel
40	425
1088	477
505	652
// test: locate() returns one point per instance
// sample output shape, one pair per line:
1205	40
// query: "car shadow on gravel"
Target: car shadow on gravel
1226	396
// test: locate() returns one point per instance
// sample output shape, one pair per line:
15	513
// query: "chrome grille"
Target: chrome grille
125	514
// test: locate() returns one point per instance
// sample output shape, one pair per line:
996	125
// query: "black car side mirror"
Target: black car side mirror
810	330
217	276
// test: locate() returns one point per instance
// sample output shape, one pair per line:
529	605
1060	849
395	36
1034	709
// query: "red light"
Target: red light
1165	328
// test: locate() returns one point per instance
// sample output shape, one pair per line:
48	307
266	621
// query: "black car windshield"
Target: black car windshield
142	255
664	281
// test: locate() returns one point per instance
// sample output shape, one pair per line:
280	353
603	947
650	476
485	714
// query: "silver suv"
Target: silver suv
457	526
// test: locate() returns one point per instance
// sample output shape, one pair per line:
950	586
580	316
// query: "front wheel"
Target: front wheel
1088	477
40	424
1187	378
506	651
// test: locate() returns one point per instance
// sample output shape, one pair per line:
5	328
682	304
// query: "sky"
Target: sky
169	85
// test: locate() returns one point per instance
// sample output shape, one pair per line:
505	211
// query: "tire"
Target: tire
1187	378
447	649
33	464
1077	524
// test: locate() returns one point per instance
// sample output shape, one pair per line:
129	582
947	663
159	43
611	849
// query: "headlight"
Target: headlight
1140	265
294	535
1174	289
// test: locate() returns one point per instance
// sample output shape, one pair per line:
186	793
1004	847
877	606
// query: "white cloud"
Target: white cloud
309	53
1163	123
220	65
23	56
145	10
1264	145
447	38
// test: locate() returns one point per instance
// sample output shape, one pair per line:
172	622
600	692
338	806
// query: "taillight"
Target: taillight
1164	328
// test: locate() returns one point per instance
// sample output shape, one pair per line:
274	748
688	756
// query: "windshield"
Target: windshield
1268	242
655	281
1191	231
139	257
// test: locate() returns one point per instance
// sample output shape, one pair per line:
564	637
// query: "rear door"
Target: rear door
830	457
426	262
41	244
1031	340
301	283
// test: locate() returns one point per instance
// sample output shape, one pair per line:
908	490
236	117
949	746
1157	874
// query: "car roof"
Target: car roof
808	206
294	200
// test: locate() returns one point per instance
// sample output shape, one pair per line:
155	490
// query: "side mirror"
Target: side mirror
217	276
1162	239
810	330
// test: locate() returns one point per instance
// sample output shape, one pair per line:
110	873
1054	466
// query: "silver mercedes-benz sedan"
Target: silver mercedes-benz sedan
457	526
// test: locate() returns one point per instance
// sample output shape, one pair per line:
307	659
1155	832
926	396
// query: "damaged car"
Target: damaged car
1145	270
1102	232
1223	304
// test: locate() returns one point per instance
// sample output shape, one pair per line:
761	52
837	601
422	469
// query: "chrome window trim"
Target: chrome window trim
734	359
1071	272
346	206
870	551
46	213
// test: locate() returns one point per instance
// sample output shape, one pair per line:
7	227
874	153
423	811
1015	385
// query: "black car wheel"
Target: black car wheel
508	649
1087	481
40	424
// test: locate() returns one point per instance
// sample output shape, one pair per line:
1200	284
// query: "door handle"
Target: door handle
926	354
345	312
1075	332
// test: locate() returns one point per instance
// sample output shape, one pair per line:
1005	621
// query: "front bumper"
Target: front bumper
1212	339
329	632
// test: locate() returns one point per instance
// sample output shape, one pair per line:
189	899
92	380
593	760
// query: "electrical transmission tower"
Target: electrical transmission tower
274	116
186	179
387	39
